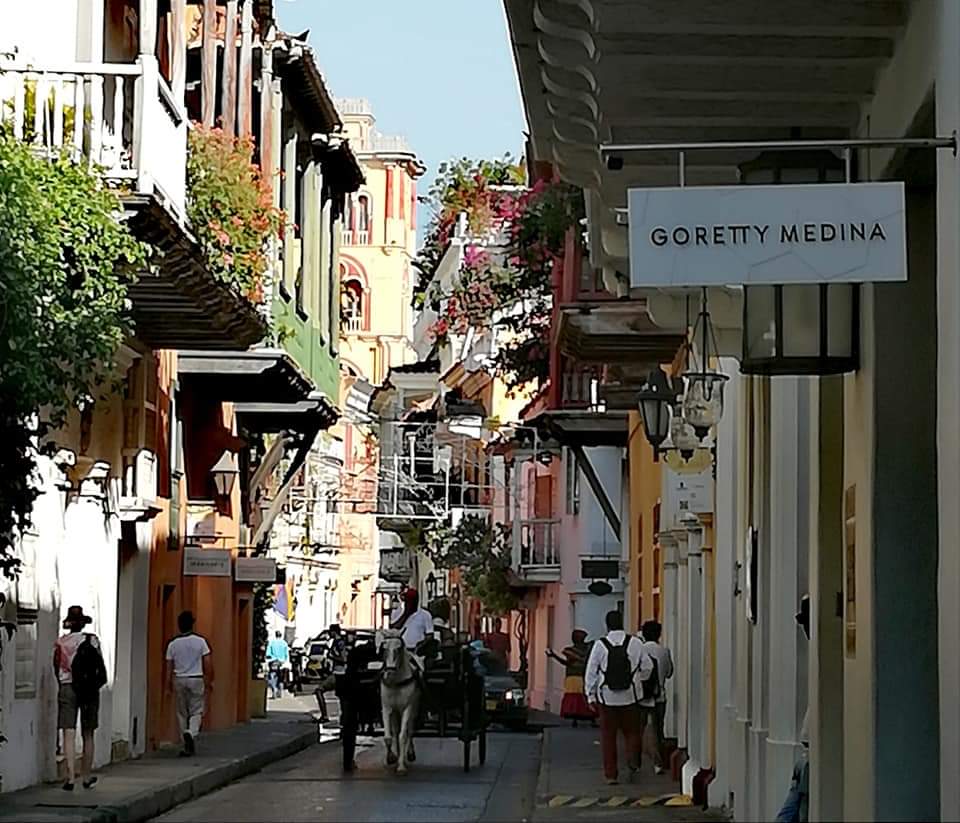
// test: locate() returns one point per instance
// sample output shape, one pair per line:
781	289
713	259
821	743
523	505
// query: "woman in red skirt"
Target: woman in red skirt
574	659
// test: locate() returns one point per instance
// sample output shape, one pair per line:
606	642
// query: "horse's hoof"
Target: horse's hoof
402	770
411	758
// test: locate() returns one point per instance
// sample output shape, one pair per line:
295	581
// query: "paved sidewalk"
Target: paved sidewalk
570	785
141	789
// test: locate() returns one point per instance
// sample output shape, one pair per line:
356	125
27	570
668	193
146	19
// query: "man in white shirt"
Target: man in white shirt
414	623
656	713
190	678
614	680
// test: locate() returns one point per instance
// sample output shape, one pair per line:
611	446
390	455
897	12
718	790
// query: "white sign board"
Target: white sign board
686	493
741	235
255	570
207	563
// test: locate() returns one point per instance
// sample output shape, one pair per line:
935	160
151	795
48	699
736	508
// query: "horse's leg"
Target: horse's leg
403	743
414	715
388	733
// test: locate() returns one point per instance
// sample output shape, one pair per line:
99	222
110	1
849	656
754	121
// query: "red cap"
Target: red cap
410	595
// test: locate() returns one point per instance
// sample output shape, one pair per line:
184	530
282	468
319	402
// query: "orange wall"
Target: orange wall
223	608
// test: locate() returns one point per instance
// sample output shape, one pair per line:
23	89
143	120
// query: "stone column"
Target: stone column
789	536
669	547
697	721
948	405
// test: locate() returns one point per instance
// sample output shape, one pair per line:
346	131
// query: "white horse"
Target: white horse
400	698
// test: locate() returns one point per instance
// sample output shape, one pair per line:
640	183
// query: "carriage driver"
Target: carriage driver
414	624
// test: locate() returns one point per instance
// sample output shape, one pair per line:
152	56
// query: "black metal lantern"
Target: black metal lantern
431	587
655	398
799	329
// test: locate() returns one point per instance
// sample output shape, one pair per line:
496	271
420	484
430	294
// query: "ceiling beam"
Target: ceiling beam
785	18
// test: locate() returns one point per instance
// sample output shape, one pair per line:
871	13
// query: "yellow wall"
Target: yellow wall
386	259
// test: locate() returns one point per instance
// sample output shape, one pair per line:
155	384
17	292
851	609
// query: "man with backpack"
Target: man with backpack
616	672
81	674
654	709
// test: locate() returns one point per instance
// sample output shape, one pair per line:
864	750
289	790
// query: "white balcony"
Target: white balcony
537	550
121	117
353	324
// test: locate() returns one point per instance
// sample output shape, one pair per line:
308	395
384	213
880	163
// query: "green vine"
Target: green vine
66	262
515	294
230	207
482	553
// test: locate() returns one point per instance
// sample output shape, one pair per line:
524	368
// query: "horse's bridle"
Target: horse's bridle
387	669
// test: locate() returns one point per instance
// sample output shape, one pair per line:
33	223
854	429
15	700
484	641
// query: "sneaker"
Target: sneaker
68	786
658	770
611	781
188	745
90	782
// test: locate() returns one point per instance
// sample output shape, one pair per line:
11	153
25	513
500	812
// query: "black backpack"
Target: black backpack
88	671
618	676
651	686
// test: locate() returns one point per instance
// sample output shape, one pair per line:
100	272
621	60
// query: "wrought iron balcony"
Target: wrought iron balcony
537	550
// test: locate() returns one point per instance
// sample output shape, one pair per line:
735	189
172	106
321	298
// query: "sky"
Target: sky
438	72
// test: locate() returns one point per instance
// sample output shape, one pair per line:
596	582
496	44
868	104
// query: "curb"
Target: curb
543	773
156	801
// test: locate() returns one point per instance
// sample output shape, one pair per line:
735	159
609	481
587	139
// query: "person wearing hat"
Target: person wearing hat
71	702
414	624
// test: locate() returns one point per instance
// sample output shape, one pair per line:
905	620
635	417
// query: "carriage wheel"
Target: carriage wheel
482	746
348	733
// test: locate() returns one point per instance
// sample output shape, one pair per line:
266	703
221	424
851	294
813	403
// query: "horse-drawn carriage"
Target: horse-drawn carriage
451	693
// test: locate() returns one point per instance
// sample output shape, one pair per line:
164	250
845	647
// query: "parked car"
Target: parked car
506	701
317	663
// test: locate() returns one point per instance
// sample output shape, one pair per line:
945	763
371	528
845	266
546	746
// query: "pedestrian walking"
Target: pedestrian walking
278	660
336	656
616	671
81	674
190	680
574	705
654	715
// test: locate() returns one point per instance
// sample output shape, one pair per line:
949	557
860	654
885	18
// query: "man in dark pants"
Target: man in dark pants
652	631
616	670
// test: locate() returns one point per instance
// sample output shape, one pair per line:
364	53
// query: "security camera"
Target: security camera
614	162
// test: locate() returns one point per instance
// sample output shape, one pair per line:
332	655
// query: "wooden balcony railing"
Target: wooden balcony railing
122	117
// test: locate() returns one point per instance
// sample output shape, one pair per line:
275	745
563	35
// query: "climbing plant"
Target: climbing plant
230	207
66	262
482	553
513	290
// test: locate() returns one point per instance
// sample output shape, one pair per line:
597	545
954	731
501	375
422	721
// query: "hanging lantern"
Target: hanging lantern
656	396
703	399
799	329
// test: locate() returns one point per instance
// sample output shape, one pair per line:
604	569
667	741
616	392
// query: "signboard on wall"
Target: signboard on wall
740	235
255	570
207	563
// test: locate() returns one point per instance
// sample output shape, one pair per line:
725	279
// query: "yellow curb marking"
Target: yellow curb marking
584	802
679	800
559	800
613	802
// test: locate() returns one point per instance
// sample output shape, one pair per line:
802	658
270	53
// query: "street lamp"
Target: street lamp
799	329
225	473
703	400
655	398
431	587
